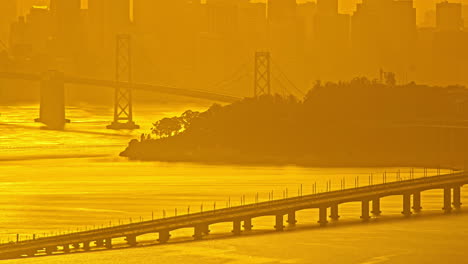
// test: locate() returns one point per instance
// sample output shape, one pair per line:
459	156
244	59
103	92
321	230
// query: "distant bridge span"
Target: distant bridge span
241	216
52	110
199	94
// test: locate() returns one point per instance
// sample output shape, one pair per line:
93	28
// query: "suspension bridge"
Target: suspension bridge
52	102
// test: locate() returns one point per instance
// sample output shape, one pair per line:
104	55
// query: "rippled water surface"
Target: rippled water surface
62	181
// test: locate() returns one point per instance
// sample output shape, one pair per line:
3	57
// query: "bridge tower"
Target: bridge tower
123	108
52	102
262	77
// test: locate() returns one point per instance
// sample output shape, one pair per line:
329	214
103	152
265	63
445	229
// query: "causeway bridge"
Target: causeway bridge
283	211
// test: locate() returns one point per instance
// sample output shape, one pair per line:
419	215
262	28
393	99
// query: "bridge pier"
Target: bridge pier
86	246
76	245
131	240
66	248
323	216
406	204
108	243
417	202
334	212
248	224
447	200
52	102
292	218
365	210
457	197
99	243
236	227
164	236
50	250
376	207
198	232
279	226
206	229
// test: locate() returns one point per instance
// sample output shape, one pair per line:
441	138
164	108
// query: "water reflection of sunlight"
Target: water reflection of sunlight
85	136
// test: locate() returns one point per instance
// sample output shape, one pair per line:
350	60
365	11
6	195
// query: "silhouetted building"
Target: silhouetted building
383	36
285	35
20	44
449	54
332	41
67	22
105	20
7	16
449	16
39	25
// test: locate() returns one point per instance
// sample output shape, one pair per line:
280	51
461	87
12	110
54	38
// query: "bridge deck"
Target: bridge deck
275	207
192	93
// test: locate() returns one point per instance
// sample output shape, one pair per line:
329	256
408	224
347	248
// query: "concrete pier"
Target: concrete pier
50	250
86	246
447	200
248	224
279	226
108	243
406	204
292	218
334	212
198	232
376	207
131	240
52	109
66	248
417	202
236	227
164	236
457	197
323	216
365	210
99	243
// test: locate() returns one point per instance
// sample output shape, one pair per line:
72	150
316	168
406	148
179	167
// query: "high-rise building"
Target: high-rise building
383	35
285	35
106	19
449	54
67	20
8	12
327	7
449	16
279	10
39	25
331	41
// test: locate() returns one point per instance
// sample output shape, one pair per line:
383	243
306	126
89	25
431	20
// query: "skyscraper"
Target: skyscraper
106	19
284	36
383	35
449	54
449	16
66	22
7	16
281	10
331	40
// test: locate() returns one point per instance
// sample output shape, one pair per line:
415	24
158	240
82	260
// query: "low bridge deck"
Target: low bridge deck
244	214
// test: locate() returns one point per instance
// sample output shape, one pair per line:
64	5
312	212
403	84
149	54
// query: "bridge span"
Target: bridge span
75	80
241	216
52	83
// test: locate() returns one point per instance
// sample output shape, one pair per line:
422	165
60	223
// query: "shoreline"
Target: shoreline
277	161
